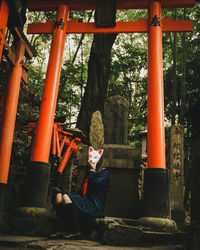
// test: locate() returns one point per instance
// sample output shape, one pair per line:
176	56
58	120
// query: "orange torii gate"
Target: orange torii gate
9	99
156	191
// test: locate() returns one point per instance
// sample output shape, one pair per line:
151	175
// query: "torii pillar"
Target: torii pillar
8	120
4	12
156	180
37	180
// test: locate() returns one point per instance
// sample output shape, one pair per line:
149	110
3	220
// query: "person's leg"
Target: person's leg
59	213
59	198
71	216
89	227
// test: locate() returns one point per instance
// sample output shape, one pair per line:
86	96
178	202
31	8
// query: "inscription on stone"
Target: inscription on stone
176	168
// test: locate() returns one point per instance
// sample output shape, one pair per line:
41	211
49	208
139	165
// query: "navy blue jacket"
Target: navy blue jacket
97	188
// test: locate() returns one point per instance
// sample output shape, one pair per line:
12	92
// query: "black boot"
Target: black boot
72	224
60	222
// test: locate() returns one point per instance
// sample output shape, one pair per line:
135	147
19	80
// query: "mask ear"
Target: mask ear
91	149
100	152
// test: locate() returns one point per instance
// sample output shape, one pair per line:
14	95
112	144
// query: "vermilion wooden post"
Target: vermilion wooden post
45	124
9	114
4	12
155	121
38	171
8	122
156	186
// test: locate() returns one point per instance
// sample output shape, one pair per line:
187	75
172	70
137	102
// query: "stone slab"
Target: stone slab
23	243
14	240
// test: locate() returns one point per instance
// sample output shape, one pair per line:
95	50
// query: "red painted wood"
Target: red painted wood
139	26
155	95
38	5
42	143
9	113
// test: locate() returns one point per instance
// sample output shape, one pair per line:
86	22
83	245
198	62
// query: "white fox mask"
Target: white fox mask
94	155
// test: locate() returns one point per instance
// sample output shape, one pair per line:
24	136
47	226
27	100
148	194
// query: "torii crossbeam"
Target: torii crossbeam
38	5
156	173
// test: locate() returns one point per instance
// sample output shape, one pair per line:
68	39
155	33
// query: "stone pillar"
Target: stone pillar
115	120
177	173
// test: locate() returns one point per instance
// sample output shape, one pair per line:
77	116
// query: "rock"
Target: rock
159	224
122	234
97	130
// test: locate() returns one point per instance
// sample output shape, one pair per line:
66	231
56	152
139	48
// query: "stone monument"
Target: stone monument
97	130
116	120
177	173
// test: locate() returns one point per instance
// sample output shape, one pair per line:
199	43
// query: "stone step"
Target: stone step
133	232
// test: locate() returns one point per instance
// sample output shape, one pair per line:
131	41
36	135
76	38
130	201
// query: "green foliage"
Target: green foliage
73	77
192	63
36	78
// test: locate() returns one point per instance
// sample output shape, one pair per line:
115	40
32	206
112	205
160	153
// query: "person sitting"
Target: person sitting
72	209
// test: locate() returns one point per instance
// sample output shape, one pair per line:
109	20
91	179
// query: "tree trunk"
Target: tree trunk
174	81
183	80
98	66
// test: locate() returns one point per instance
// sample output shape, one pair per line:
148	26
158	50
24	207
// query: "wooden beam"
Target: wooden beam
139	26
27	45
24	73
45	5
12	59
10	54
170	25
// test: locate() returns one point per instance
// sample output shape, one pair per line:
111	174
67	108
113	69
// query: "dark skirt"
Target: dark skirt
85	205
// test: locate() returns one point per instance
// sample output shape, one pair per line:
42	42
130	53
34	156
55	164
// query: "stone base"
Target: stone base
119	231
36	185
159	224
156	201
32	221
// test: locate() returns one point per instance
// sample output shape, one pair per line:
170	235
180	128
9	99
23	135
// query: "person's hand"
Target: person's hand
92	165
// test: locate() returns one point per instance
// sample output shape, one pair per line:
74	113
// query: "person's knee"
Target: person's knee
66	199
59	198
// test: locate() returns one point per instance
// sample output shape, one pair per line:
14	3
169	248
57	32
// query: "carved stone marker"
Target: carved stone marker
177	172
97	130
115	120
